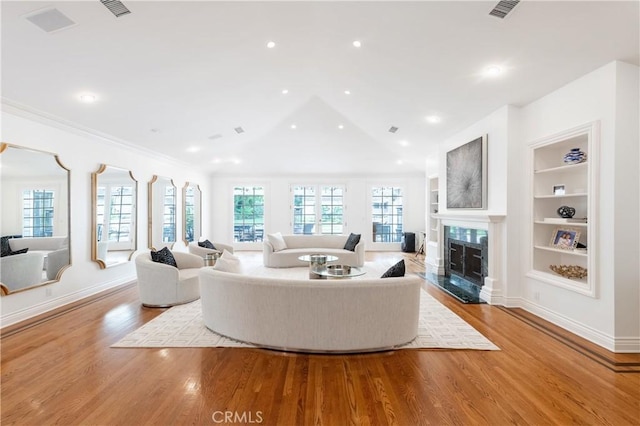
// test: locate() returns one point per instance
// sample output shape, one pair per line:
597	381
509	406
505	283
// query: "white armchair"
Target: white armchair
194	248
163	285
19	271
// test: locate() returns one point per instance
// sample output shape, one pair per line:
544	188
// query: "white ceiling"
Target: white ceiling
192	70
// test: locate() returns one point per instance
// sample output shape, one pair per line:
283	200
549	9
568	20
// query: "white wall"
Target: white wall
82	153
278	205
596	96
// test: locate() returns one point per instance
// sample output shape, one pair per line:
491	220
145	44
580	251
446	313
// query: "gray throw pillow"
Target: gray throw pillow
352	242
396	270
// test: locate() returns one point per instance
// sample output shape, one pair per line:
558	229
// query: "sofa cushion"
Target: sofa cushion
226	254
164	256
206	244
352	242
228	265
277	241
396	270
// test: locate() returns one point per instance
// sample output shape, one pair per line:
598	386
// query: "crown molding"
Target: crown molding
15	108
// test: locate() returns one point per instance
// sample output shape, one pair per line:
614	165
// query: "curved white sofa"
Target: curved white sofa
165	285
299	245
347	315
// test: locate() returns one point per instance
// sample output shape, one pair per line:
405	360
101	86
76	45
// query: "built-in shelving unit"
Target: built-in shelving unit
433	250
555	183
433	209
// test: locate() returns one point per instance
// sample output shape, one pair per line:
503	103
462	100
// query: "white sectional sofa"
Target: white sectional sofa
346	315
298	245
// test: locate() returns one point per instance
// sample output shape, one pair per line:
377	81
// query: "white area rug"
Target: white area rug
182	327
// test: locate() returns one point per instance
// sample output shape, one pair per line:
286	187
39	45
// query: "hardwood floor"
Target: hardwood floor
62	371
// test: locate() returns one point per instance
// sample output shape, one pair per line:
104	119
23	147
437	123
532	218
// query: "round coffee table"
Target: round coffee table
317	264
341	271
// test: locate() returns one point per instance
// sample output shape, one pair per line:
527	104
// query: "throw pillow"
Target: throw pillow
226	254
396	270
206	244
21	251
277	241
164	256
352	242
4	246
228	265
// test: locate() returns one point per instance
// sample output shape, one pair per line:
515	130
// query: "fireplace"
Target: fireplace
466	253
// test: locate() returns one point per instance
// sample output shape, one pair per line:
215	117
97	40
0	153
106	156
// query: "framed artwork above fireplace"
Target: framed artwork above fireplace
467	175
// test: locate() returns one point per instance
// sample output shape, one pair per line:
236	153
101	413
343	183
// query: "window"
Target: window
114	212
248	213
169	215
386	209
37	213
311	203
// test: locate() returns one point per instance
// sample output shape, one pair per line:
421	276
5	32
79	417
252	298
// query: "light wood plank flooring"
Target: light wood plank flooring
63	371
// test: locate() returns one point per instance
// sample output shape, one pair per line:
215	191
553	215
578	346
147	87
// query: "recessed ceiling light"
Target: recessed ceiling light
340	126
271	44
403	143
347	92
357	43
493	71
87	98
193	149
236	161
293	127
285	91
433	119
216	161
399	162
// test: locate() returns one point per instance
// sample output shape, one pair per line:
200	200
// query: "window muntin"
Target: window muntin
37	212
248	213
114	207
318	209
386	214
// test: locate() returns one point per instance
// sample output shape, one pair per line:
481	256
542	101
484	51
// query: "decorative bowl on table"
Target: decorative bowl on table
338	270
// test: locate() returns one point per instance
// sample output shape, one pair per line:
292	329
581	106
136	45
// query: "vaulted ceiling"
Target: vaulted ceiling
178	77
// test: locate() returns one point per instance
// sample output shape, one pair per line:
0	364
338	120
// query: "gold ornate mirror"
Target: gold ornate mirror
192	213
162	212
35	218
113	195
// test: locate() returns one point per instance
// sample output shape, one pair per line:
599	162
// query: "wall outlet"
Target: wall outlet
536	295
48	292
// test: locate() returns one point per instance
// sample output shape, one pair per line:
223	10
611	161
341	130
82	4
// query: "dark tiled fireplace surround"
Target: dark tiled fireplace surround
465	263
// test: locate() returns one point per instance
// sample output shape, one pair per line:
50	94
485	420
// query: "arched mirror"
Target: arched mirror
114	194
34	218
192	214
162	212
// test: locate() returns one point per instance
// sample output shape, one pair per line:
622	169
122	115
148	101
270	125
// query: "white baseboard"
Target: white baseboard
595	336
58	302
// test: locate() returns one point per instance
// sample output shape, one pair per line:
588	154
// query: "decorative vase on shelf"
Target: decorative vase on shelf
566	212
575	156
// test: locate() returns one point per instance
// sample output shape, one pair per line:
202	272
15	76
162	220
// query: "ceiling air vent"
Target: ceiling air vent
216	136
116	7
239	130
49	20
503	8
393	129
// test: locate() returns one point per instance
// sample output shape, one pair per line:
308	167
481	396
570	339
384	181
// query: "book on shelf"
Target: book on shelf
565	220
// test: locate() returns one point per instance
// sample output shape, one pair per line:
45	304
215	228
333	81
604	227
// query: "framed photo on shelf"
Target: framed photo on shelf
558	190
565	238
